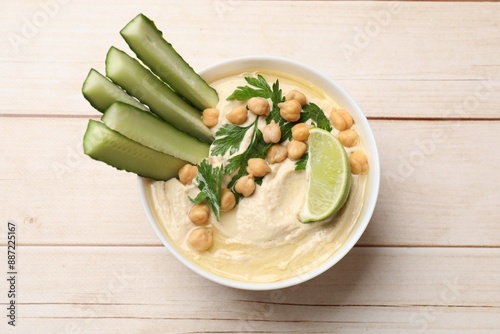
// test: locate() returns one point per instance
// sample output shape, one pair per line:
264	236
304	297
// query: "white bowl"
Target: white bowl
239	65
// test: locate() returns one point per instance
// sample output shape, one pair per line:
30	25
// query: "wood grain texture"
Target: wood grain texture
431	171
438	184
396	59
427	75
439	293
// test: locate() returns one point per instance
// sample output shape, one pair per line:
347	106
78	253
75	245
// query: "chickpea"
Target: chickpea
276	153
227	200
296	95
187	173
271	132
201	239
341	119
210	117
259	106
258	167
300	132
199	214
348	137
245	185
358	162
238	115
296	149
290	110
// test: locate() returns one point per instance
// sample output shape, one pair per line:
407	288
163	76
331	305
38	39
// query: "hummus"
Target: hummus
261	239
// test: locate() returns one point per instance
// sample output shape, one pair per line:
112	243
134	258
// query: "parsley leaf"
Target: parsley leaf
276	97
313	112
257	149
259	82
302	163
243	93
209	181
228	139
286	131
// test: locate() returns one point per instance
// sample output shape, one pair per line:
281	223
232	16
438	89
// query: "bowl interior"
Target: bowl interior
334	90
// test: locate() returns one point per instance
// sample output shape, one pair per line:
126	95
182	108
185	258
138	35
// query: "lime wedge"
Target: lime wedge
329	177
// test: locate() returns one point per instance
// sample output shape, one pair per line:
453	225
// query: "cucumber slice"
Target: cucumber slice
144	38
103	144
151	131
128	73
101	92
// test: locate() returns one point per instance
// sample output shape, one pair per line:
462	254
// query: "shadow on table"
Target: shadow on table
319	299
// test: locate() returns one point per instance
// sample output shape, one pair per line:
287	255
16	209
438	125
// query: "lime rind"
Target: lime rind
329	177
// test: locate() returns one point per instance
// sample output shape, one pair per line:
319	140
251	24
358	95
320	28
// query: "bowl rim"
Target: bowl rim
299	69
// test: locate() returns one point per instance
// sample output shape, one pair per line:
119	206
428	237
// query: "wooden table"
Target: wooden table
426	74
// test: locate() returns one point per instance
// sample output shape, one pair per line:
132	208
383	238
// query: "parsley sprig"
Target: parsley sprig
229	137
314	113
260	89
310	111
209	181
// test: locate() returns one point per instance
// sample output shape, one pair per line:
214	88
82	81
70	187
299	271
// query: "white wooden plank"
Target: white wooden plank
377	98
337	320
58	195
434	190
439	184
334	23
367	276
391	289
419	60
434	99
